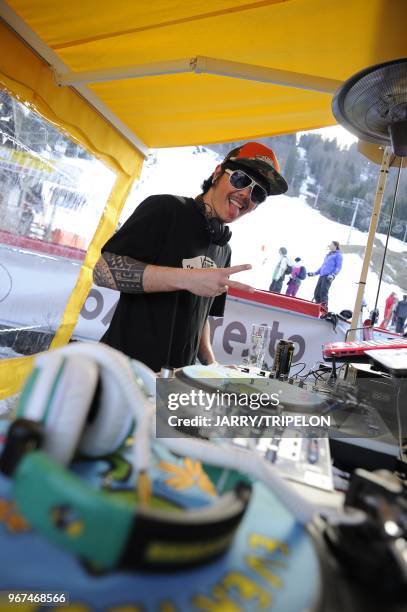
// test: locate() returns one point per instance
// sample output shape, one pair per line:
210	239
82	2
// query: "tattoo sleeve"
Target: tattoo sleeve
120	272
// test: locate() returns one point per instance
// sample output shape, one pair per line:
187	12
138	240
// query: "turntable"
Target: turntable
291	395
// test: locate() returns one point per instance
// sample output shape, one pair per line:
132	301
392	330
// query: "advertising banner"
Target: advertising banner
34	289
231	334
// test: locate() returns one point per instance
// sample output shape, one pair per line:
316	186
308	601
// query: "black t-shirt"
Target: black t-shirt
165	231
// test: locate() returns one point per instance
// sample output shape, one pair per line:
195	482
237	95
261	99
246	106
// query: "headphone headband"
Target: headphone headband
109	528
109	531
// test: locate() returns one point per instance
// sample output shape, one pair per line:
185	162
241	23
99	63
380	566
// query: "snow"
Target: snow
342	136
180	171
290	222
394	244
280	221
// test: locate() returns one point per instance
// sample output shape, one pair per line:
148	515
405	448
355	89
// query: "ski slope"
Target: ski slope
280	221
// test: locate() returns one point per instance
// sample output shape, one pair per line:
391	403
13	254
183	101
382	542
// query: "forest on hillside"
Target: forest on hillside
340	182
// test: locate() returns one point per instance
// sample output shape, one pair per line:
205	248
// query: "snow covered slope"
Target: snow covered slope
281	221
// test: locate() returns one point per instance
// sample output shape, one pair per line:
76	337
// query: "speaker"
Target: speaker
86	399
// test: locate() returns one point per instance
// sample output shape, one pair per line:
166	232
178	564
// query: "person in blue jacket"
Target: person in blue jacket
330	268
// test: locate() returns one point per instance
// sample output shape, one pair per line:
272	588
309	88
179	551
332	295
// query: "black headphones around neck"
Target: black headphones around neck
219	233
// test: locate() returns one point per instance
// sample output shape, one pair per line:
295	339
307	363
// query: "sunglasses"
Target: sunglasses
240	180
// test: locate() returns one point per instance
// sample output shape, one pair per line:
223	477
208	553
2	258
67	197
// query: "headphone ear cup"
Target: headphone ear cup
225	236
219	233
113	420
58	394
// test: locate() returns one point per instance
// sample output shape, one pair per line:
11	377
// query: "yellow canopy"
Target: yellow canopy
306	46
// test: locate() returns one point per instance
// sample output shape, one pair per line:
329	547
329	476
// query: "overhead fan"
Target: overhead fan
372	105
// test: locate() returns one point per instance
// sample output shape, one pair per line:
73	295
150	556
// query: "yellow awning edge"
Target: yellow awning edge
32	81
13	373
78	296
26	76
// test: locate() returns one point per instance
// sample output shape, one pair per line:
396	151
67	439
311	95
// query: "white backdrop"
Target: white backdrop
34	288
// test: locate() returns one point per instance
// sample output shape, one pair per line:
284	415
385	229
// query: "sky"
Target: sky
280	221
344	138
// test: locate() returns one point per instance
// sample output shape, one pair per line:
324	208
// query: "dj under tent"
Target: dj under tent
117	79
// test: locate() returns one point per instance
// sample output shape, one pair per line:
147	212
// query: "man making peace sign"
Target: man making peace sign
171	261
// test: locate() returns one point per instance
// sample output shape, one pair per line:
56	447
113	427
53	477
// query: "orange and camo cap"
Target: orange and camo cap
261	164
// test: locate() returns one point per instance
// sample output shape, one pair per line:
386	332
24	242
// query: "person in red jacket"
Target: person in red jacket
388	310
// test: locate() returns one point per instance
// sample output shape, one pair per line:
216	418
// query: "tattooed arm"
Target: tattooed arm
129	275
119	272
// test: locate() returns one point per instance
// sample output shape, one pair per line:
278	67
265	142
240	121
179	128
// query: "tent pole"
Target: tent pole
381	183
388	232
